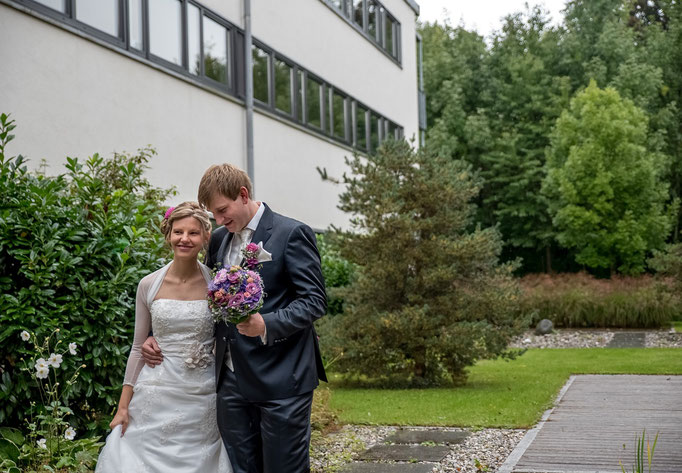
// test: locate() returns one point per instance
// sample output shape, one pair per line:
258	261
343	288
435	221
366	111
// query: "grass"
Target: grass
511	394
677	325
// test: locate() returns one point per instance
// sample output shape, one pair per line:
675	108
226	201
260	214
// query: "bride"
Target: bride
166	417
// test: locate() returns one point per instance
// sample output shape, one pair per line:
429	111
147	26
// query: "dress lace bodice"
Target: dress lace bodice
172	321
176	321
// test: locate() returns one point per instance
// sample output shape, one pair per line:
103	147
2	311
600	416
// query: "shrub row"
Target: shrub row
580	300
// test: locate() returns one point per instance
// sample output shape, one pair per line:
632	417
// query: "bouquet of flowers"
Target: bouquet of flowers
237	292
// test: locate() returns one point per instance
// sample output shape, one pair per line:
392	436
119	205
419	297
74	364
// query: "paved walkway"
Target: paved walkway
419	450
595	422
628	339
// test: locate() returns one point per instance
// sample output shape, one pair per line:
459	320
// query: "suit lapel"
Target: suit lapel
220	258
264	228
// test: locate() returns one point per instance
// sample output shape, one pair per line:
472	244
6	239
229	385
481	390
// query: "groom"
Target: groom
268	366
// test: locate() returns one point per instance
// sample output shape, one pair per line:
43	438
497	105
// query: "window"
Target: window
372	18
313	94
103	15
338	115
374	132
391	130
135	27
389	36
59	5
283	86
261	64
359	13
360	127
215	51
194	39
165	30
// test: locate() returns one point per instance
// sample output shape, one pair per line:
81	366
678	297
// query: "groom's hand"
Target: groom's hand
151	352
253	327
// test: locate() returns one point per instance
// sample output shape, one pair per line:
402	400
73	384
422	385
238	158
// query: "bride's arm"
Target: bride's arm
143	323
121	416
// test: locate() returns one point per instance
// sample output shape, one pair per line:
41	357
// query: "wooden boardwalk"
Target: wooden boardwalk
594	426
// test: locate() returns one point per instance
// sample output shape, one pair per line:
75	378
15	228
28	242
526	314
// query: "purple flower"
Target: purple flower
233	277
236	300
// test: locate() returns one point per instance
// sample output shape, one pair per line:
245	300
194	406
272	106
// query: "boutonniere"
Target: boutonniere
255	254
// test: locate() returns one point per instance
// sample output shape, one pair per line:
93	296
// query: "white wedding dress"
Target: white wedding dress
173	426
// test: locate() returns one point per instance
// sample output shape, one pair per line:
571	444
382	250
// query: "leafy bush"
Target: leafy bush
72	249
429	297
580	300
51	442
337	273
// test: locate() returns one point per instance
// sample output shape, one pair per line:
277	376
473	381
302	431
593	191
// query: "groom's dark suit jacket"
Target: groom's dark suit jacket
290	363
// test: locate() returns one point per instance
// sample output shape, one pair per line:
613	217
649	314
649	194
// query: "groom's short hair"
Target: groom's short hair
225	179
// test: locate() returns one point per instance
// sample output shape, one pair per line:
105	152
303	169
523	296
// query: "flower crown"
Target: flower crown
168	213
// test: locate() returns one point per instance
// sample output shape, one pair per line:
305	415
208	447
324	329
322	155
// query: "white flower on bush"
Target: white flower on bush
42	443
41	363
72	348
25	336
42	372
69	433
54	360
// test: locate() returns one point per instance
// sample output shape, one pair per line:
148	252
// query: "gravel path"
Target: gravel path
486	448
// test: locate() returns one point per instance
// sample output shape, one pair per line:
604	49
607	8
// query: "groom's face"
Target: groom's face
232	214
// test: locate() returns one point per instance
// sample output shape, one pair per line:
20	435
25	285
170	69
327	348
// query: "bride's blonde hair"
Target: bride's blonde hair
186	209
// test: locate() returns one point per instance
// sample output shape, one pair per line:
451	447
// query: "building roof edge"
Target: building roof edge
413	5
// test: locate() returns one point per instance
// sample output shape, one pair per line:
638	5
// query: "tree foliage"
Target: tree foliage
493	102
605	190
429	296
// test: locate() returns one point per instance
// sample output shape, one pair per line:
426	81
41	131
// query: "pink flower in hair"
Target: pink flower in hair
168	212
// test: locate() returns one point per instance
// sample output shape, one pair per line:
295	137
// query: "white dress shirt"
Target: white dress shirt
234	257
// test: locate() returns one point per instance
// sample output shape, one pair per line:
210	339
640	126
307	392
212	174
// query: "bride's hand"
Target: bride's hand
151	352
121	418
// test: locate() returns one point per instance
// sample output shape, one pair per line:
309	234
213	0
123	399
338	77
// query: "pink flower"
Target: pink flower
233	277
221	276
251	247
219	295
168	212
252	288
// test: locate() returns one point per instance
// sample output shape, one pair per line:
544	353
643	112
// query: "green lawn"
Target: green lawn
498	393
677	325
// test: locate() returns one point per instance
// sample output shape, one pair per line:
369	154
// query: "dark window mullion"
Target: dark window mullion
122	20
271	79
125	18
294	95
145	29
202	71
185	38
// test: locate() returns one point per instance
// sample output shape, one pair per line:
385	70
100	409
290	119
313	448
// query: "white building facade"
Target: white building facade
330	78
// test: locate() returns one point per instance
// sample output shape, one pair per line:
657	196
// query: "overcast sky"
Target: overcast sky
482	15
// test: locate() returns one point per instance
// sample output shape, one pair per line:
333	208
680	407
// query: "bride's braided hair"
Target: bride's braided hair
186	209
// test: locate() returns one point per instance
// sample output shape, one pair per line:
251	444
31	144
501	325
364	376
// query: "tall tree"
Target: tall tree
430	297
604	186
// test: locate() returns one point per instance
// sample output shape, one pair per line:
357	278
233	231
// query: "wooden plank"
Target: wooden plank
594	425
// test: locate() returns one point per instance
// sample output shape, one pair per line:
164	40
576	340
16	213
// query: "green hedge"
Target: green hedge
580	300
72	249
